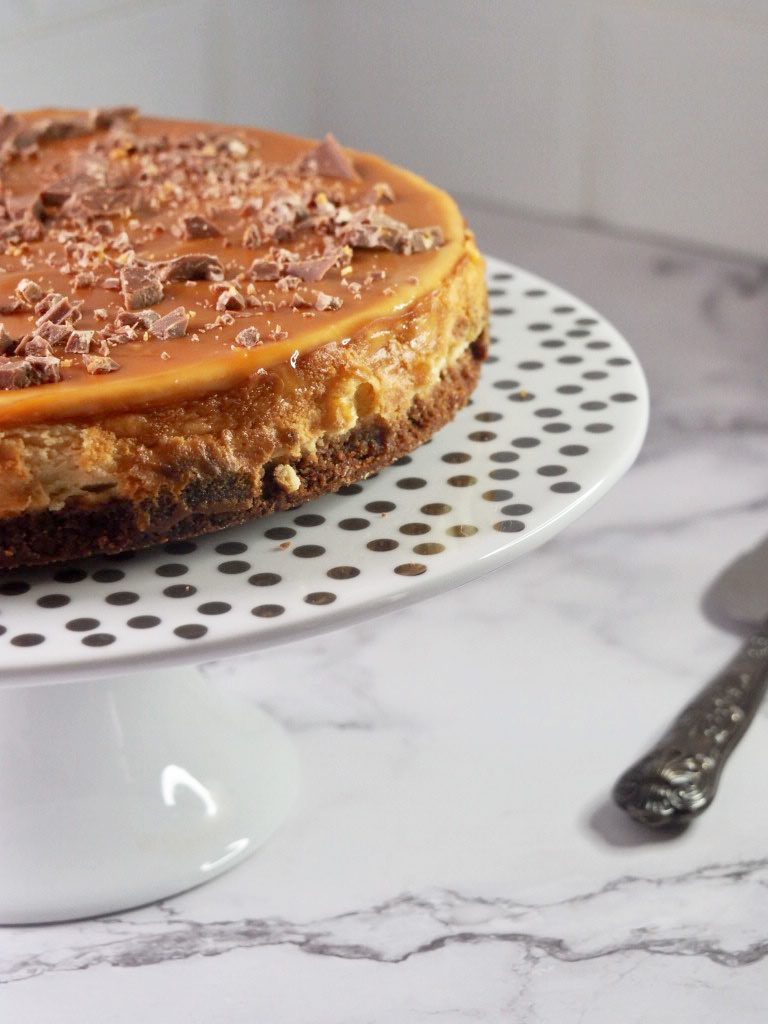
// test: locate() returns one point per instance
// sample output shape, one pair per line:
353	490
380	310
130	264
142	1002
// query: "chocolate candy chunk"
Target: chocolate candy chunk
57	193
14	373
34	345
421	239
55	308
45	369
369	228
252	236
105	117
30	291
11	305
172	325
196	226
50	129
249	337
7	343
381	192
55	334
140	286
324	302
193	267
264	270
314	269
100	364
79	342
330	160
142	319
230	299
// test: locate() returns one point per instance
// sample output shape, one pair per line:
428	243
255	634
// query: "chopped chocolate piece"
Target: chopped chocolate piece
143	318
45	369
329	160
84	204
54	333
20	206
54	308
225	319
264	270
53	128
12	304
79	342
84	279
193	267
422	239
196	226
252	237
126	333
105	117
15	373
381	192
29	291
7	343
9	123
172	325
288	283
324	302
231	299
100	364
281	214
369	228
34	345
300	301
58	193
249	337
140	286
316	268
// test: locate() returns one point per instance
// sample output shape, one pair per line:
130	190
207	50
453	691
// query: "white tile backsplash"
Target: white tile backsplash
648	115
153	55
680	109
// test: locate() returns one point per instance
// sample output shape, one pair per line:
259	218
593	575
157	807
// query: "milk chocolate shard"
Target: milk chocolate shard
330	160
141	287
172	325
193	267
195	226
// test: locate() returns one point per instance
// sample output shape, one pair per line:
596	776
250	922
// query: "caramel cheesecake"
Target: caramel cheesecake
201	324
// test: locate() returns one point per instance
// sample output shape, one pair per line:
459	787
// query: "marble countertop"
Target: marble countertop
454	854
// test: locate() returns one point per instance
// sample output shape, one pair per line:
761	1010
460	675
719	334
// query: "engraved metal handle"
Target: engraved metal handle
677	779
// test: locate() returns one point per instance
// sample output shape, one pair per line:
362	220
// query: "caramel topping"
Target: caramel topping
146	261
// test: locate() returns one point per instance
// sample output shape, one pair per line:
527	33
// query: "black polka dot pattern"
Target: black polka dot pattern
560	402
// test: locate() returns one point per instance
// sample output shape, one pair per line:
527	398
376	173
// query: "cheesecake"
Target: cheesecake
204	323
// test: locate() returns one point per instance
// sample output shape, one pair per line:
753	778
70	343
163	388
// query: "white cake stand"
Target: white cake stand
124	776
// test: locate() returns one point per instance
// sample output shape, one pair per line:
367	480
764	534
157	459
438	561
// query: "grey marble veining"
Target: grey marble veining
455	854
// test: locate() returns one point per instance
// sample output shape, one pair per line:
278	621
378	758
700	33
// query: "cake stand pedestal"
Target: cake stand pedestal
119	791
123	777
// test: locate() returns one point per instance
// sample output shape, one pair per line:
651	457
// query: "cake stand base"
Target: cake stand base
119	791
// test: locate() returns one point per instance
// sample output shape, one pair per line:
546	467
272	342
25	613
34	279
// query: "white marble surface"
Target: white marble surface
454	854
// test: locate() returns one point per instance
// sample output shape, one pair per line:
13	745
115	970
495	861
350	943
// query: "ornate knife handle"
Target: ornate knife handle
677	779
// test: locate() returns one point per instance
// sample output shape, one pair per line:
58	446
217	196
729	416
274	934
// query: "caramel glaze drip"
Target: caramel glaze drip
129	191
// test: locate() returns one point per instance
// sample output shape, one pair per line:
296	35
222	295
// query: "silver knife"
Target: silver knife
677	779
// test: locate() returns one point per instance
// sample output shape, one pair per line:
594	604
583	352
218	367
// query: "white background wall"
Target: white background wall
647	115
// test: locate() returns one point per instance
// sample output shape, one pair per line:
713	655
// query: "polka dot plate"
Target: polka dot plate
559	415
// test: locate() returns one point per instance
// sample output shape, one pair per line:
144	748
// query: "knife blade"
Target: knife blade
678	778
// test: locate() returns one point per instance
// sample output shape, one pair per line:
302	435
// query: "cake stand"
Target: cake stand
124	776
